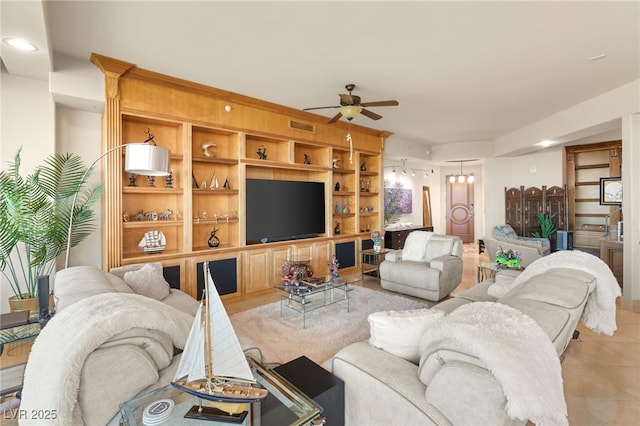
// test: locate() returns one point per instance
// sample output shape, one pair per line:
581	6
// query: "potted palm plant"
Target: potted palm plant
34	219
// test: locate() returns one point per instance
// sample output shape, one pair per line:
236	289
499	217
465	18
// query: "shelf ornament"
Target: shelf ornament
376	237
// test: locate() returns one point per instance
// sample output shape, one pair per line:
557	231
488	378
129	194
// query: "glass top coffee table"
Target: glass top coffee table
314	294
285	404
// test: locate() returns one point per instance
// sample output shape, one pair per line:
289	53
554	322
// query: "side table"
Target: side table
318	384
371	261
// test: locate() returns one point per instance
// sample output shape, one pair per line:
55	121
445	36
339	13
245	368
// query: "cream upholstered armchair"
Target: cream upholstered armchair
429	266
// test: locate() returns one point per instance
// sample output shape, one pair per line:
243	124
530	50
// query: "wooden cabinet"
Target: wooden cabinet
394	239
585	165
611	253
218	140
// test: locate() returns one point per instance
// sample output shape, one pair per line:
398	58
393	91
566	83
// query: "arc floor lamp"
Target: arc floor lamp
141	158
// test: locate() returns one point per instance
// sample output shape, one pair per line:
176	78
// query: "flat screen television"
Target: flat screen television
281	210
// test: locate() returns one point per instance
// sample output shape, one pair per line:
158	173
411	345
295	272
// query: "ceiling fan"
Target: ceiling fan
351	105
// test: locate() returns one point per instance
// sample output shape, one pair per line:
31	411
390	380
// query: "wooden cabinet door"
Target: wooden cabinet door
256	270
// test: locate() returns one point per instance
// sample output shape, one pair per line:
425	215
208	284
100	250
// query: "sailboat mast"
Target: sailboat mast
208	344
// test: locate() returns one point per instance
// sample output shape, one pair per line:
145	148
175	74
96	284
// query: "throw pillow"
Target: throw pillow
415	245
148	281
399	332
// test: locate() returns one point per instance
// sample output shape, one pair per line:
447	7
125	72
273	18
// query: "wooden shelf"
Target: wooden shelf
150	190
215	160
343	171
219	191
592	166
151	223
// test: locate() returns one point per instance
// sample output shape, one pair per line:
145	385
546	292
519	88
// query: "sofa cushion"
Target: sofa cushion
558	290
415	246
504	231
552	319
148	281
438	246
399	332
118	284
77	283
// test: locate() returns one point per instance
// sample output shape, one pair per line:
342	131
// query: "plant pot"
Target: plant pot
24	304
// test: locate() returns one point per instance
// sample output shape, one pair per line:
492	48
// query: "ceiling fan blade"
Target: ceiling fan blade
372	115
380	103
335	118
333	106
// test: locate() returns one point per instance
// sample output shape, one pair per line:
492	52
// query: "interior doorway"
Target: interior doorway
460	213
427	219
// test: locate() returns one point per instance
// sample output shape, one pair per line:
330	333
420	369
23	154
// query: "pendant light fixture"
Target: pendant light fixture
462	178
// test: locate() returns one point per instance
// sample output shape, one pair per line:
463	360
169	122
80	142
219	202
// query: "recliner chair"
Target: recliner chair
429	266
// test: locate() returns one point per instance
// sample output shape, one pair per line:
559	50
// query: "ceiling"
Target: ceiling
461	71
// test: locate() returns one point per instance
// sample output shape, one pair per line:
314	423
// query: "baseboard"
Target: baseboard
632	305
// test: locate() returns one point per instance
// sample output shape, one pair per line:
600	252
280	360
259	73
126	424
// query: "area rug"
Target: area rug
329	328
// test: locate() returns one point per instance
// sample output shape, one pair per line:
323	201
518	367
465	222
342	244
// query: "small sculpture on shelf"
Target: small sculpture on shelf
151	181
213	241
153	242
226	185
337	207
307	159
138	216
151	215
363	165
165	215
345	206
214	182
194	182
168	180
125	217
205	149
177	215
336	162
334	267
132	179
262	152
336	230
337	187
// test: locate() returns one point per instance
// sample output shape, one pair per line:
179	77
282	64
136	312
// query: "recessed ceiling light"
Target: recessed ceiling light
20	44
545	143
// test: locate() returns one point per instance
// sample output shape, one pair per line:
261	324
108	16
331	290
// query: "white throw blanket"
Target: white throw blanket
600	312
52	374
517	352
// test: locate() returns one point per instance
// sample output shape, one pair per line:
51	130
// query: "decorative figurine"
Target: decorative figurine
334	267
168	180
132	179
345	206
337	208
177	215
262	152
335	163
363	165
138	216
194	182
151	181
151	215
165	215
205	149
307	159
125	217
337	188
203	185
336	230
226	185
213	241
214	182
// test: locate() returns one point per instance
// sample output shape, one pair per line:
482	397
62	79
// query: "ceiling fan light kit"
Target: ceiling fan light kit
351	105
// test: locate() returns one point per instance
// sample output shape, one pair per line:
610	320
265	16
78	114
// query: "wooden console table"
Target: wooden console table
395	238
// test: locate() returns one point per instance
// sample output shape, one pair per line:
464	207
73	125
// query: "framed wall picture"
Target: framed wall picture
611	191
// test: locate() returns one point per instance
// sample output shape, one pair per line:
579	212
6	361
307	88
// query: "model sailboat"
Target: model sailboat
213	366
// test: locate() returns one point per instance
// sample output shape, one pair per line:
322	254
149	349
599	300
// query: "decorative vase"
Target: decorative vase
336	230
345	208
25	304
338	208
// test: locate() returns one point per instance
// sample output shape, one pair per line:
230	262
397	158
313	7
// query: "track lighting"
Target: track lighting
405	171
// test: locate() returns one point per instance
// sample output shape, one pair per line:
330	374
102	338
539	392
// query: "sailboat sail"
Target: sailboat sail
213	366
227	358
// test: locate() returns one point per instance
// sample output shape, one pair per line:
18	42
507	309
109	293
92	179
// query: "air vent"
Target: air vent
302	126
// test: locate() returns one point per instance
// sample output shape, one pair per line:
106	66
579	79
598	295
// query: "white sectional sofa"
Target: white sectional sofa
455	382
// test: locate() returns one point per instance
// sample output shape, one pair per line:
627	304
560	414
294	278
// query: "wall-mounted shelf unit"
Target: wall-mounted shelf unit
218	140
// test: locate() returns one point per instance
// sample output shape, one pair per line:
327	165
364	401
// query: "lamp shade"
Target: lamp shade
146	159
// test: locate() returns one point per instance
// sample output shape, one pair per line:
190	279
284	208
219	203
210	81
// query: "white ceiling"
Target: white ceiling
462	71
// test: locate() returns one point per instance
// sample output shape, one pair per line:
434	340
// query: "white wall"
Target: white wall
27	118
79	132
